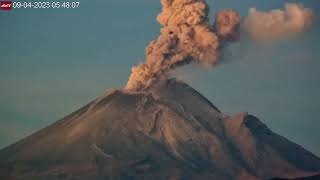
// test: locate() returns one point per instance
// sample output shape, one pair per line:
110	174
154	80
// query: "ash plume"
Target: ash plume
186	36
227	25
278	24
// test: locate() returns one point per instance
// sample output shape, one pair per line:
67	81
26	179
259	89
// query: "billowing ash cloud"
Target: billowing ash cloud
186	36
227	24
278	24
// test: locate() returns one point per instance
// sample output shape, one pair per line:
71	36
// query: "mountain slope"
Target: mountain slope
169	131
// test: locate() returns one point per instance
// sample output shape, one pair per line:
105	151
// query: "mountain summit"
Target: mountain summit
168	131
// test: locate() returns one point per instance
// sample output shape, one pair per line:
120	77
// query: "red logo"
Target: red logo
5	5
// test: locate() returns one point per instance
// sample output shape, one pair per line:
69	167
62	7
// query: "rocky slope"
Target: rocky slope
169	131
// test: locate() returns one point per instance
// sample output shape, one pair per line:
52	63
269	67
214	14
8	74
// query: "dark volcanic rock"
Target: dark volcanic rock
170	131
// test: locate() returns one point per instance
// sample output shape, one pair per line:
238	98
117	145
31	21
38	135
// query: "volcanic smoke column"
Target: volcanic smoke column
186	36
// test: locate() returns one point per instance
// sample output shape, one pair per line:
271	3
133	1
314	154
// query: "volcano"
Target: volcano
168	131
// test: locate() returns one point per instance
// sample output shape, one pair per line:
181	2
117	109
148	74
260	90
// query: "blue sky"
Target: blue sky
54	61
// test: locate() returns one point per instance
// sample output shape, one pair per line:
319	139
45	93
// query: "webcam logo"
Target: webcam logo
5	5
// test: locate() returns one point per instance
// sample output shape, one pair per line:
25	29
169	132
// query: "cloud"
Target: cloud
186	36
278	24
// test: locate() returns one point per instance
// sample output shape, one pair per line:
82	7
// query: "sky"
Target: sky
54	61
